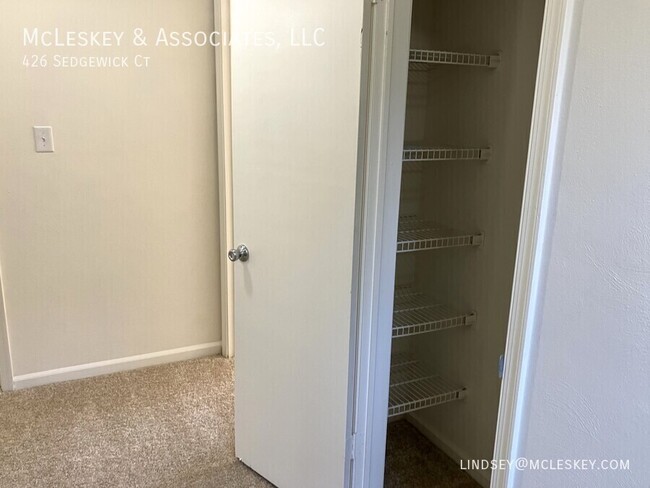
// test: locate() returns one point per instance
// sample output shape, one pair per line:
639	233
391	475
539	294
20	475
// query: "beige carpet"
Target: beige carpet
413	461
167	426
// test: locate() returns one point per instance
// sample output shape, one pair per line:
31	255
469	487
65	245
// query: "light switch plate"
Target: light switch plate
43	140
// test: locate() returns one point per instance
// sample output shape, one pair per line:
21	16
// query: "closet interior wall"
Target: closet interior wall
477	107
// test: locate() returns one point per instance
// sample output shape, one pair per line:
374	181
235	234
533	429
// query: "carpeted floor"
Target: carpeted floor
413	462
168	426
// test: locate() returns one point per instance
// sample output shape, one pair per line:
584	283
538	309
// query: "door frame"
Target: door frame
546	145
224	162
378	206
379	223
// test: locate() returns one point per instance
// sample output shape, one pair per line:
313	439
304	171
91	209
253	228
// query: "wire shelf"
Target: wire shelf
446	154
412	388
420	235
428	319
455	58
401	359
416	313
408	297
407	372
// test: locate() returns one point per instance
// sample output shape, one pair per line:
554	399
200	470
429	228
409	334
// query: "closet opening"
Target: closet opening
472	68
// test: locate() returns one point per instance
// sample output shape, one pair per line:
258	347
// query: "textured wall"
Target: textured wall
591	390
108	246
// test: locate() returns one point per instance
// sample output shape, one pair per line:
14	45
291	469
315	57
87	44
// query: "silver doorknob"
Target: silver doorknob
239	254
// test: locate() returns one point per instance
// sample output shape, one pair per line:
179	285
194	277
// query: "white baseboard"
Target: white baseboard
115	365
481	477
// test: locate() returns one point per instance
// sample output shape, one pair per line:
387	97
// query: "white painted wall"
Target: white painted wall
109	246
590	394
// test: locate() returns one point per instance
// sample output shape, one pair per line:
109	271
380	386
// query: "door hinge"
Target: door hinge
502	364
374	2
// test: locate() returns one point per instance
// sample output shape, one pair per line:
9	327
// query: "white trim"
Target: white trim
556	61
115	365
224	161
387	81
352	446
6	367
451	450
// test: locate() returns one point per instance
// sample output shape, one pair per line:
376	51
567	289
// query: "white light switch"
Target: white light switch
43	138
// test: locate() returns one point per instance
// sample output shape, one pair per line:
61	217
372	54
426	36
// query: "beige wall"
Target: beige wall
109	246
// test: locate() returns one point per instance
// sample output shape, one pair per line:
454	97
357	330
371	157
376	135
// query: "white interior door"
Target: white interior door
295	139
